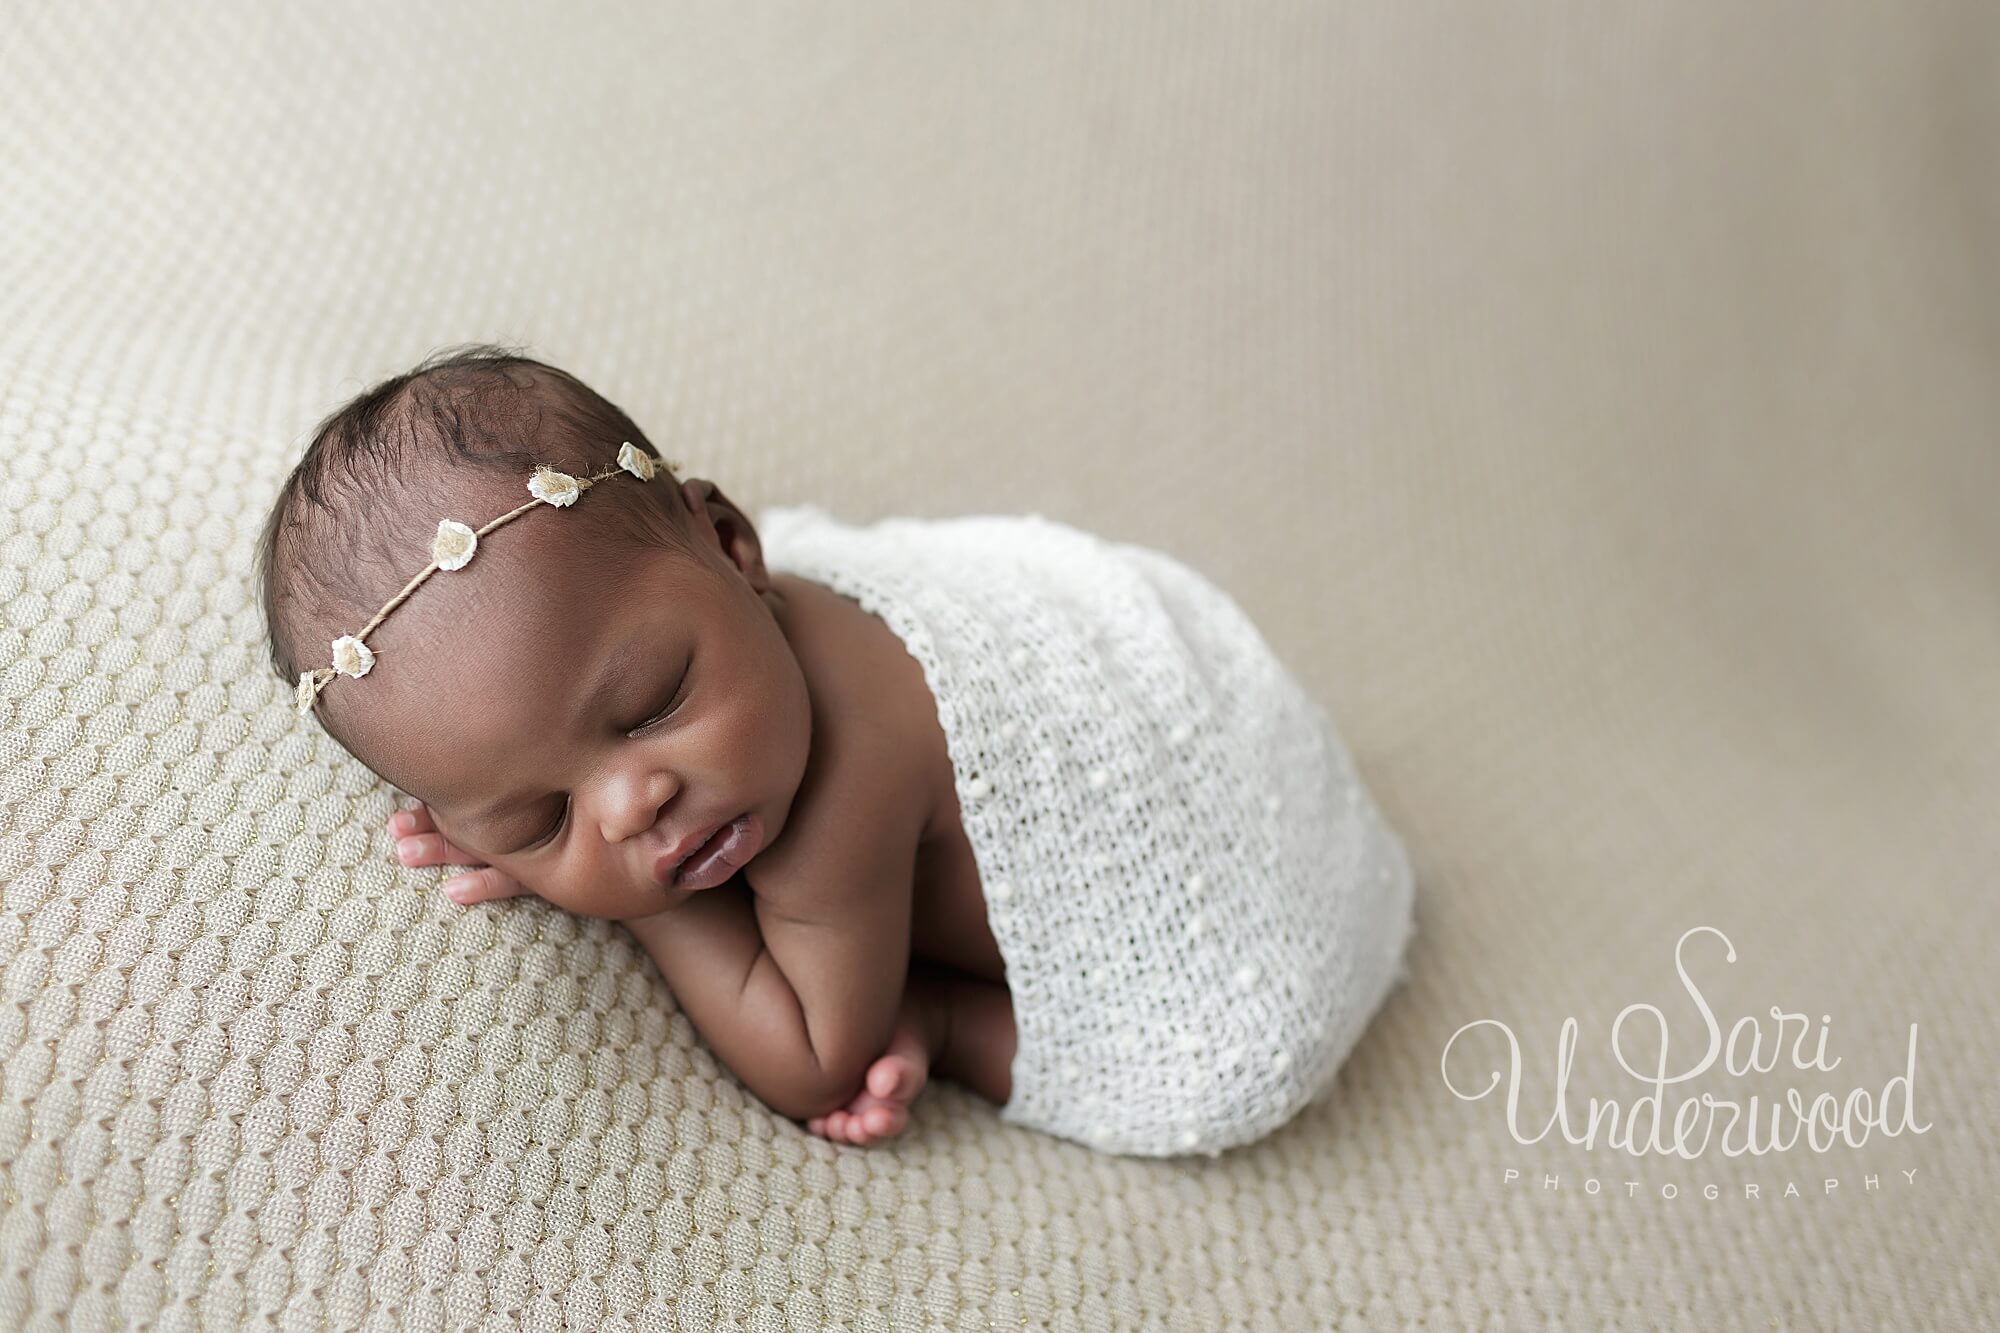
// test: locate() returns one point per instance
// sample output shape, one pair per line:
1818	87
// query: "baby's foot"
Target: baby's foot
881	1109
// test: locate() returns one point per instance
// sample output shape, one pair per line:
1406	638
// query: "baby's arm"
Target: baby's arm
785	1044
795	1019
797	982
711	952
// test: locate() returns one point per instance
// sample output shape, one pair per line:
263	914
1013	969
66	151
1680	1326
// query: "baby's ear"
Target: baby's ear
734	532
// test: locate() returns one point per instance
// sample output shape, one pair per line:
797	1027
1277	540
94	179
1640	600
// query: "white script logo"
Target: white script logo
1747	1127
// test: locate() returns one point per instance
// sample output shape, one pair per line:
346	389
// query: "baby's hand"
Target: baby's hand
418	843
881	1110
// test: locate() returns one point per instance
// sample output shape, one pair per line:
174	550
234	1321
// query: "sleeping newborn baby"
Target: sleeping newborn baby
986	799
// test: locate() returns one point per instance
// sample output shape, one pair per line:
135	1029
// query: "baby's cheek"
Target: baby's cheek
602	896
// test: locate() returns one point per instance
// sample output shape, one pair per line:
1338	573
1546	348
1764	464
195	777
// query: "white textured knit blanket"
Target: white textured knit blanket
1199	905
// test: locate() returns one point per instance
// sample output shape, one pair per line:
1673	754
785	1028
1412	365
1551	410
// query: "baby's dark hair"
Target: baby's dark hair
349	528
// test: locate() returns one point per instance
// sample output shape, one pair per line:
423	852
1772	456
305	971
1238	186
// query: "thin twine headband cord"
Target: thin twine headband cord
453	548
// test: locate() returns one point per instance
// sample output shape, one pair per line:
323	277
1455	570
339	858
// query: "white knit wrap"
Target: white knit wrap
1199	904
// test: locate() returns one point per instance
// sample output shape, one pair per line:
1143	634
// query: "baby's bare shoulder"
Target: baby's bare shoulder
852	832
870	786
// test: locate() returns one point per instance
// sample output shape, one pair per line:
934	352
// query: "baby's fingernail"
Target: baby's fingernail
403	823
457	889
407	849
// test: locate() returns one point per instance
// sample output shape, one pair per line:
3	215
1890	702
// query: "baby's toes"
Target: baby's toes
897	1077
886	1120
871	1117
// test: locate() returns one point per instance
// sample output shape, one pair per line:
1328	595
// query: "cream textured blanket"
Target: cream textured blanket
1198	901
1594	404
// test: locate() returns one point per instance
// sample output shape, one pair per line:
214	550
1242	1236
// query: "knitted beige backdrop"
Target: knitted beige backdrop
1597	408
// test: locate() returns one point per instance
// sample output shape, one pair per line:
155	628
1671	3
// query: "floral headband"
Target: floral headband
453	548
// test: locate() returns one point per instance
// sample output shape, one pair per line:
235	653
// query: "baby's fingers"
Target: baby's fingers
482	886
418	843
416	820
432	849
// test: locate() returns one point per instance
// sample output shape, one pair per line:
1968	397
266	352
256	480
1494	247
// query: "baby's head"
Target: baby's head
601	681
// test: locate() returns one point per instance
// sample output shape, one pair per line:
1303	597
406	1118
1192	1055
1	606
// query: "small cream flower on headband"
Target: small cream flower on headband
351	657
453	548
555	488
638	464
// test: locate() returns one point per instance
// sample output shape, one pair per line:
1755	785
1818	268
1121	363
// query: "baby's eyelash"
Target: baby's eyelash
674	702
549	833
553	829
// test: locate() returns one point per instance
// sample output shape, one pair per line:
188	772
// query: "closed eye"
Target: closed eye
552	830
673	706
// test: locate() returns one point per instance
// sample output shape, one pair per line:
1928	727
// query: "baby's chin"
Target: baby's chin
638	900
628	904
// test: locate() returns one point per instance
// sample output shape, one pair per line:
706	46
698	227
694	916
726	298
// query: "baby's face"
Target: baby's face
581	721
